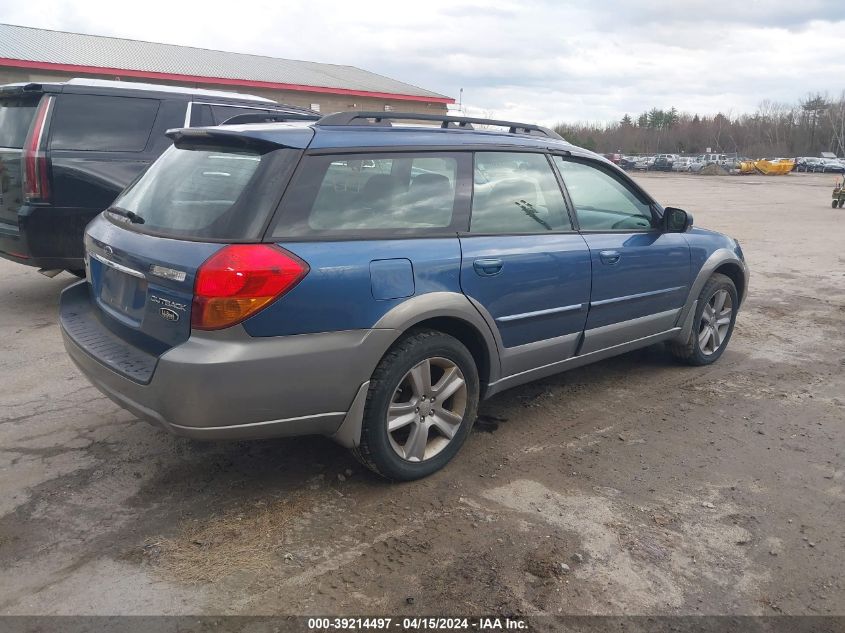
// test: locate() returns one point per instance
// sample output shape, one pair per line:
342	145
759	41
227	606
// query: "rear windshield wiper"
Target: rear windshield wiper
126	213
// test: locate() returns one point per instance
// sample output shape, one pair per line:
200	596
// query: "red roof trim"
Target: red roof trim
98	70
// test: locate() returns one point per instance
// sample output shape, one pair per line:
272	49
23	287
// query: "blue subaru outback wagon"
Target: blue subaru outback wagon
371	281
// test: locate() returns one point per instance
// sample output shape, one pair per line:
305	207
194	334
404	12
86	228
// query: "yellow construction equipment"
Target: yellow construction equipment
747	167
768	167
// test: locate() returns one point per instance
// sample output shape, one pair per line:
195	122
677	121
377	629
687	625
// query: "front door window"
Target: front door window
602	203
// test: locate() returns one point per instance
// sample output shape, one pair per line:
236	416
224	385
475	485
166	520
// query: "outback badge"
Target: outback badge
168	314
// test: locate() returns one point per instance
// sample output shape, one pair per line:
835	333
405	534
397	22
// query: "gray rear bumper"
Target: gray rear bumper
229	385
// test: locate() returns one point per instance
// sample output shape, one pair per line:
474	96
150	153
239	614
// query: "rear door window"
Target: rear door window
516	193
377	195
206	193
15	117
99	123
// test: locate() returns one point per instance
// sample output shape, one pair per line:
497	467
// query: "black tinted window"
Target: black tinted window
109	124
201	115
403	194
15	116
516	193
217	193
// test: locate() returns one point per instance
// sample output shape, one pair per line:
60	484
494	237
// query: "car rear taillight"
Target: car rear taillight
241	279
36	180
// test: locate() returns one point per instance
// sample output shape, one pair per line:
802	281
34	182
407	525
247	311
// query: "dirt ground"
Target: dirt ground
662	489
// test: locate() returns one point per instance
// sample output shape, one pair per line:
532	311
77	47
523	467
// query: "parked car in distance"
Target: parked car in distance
67	149
696	165
627	162
663	162
809	164
371	283
714	159
682	164
831	166
644	163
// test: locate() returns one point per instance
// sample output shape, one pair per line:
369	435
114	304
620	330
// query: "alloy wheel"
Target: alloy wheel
715	322
427	409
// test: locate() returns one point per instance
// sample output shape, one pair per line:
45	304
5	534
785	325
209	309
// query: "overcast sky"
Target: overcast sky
528	60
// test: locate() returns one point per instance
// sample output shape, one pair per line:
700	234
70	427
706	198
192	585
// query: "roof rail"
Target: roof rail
269	117
460	122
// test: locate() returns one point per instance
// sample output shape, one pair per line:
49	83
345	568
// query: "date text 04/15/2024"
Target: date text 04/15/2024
418	624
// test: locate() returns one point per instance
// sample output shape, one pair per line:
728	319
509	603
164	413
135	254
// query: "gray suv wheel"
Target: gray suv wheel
422	402
713	324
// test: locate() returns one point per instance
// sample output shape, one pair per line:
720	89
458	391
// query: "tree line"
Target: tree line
812	125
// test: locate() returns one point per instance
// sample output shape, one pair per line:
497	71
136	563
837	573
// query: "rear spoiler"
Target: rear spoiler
270	117
260	140
28	88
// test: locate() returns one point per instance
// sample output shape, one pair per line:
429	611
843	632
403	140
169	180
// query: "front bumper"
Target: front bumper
227	384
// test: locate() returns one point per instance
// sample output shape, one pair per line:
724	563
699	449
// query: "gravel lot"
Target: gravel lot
664	489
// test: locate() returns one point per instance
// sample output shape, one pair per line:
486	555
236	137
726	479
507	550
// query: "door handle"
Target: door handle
610	258
488	267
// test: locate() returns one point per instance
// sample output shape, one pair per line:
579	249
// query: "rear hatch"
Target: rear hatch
144	252
17	111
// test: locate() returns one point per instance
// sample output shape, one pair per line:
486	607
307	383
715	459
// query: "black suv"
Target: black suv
67	149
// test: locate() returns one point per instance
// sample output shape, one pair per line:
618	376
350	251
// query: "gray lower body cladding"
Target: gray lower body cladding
228	385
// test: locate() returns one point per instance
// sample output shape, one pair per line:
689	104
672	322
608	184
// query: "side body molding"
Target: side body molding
528	364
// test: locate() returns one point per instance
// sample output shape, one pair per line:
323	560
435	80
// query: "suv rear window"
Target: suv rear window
376	194
207	193
15	116
106	124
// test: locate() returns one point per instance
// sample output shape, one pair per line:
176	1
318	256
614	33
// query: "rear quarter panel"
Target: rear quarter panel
346	277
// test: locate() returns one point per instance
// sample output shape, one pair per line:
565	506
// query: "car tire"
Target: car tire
399	454
710	333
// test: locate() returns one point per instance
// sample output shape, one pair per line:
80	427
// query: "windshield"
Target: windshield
203	193
15	116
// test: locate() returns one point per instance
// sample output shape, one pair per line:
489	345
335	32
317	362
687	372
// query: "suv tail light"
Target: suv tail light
241	279
36	180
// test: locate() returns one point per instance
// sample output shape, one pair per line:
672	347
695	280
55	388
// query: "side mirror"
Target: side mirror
676	220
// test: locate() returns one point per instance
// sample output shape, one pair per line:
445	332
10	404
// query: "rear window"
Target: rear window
207	193
375	194
15	116
106	124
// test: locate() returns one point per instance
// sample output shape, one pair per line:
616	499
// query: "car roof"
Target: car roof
361	138
424	135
